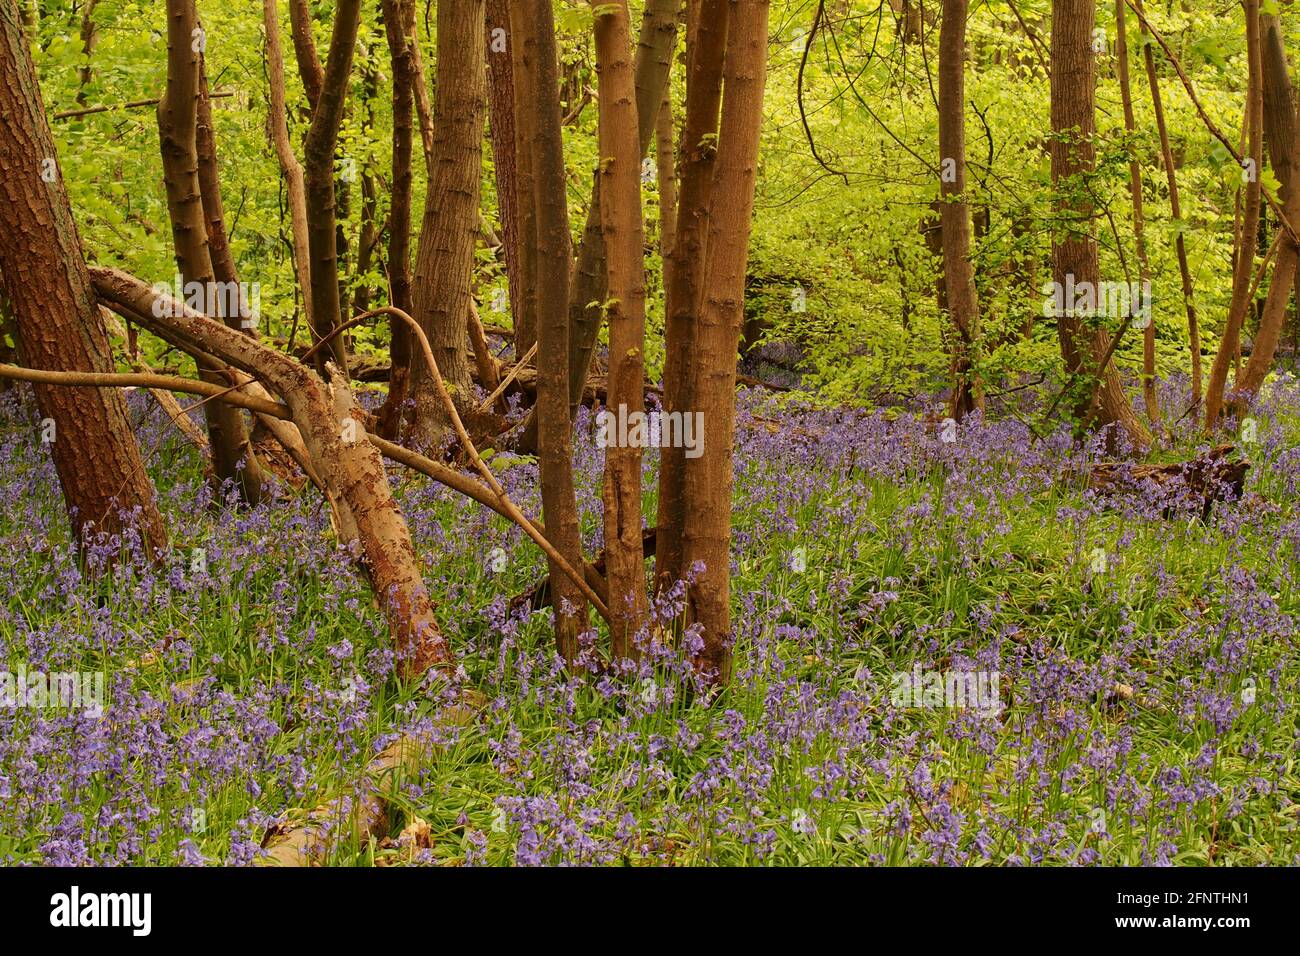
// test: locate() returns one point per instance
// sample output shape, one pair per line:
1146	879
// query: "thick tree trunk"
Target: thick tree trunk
318	152
621	221
708	478
559	505
954	211
44	278
444	266
707	24
1102	401
399	24
232	452
1248	237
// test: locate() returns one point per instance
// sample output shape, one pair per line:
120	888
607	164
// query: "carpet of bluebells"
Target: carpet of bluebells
1149	704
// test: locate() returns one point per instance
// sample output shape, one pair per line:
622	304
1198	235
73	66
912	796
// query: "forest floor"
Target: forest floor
1142	661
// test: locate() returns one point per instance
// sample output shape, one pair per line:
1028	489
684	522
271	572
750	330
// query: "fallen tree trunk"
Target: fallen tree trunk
349	467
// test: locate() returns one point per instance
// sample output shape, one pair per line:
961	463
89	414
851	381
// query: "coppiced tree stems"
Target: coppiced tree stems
708	478
707	24
622	225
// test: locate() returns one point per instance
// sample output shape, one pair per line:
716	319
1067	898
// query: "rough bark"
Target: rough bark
954	210
444	265
705	53
45	280
622	225
1102	401
708	478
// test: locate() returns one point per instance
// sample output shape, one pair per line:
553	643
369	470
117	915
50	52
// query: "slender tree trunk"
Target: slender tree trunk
954	212
57	317
621	220
708	478
89	35
559	505
444	266
666	176
1248	235
1175	208
1279	125
1075	262
654	52
523	302
304	49
399	24
1139	220
232	452
292	169
707	25
318	153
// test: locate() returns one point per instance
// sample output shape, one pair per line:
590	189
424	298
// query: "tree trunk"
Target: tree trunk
954	212
1139	220
1175	207
501	118
622	224
347	464
653	58
318	153
708	478
559	505
232	452
707	25
1248	238
44	278
293	175
445	263
1102	401
523	304
399	24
